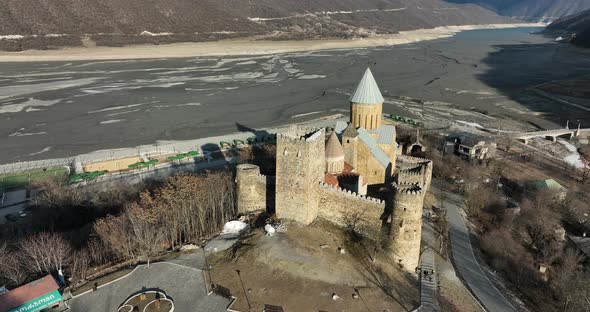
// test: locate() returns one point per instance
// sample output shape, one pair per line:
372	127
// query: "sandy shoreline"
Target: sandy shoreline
243	46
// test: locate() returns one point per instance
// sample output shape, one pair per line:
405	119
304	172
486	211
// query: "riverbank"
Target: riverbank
244	46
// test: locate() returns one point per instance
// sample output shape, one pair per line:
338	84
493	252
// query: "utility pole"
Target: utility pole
245	292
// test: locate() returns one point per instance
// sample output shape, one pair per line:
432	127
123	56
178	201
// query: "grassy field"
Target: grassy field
24	179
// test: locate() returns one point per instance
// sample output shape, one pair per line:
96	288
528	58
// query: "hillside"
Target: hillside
42	24
574	28
532	10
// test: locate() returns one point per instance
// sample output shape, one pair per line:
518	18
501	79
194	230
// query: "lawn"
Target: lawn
24	179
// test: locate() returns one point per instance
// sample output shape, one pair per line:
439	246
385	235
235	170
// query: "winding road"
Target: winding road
466	264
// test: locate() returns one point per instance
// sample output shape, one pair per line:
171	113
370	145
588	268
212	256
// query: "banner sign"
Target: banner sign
39	303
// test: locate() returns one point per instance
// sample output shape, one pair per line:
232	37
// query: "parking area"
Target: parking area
183	284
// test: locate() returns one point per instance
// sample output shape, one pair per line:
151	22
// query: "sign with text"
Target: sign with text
39	303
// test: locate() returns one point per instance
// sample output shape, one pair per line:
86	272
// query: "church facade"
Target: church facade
327	175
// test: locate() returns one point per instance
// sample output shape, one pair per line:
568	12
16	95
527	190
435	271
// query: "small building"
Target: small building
32	297
470	146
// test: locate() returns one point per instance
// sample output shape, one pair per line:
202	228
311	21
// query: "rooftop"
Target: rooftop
26	293
376	151
367	91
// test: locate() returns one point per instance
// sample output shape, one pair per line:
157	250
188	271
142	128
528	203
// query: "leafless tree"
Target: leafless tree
80	264
11	270
146	230
115	232
45	252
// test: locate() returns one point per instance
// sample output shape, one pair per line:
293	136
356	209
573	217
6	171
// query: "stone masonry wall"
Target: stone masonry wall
347	208
300	164
251	188
406	225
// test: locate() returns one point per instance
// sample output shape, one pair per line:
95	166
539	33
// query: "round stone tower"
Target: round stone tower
334	155
406	225
366	103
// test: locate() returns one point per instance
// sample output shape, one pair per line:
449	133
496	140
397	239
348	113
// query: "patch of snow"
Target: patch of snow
119	107
19	90
269	229
11	37
306	114
234	227
311	77
55	35
47	149
570	147
19	134
28	106
246	63
575	160
148	33
470	124
111	121
122	113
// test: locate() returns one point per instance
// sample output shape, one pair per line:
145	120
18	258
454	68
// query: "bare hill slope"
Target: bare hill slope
575	28
26	24
533	10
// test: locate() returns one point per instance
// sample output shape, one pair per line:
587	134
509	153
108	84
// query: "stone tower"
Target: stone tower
366	103
406	224
250	188
334	155
350	144
300	165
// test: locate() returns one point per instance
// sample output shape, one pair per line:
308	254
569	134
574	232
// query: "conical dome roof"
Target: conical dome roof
334	150
367	92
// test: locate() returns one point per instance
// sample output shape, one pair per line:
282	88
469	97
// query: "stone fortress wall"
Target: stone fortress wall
347	208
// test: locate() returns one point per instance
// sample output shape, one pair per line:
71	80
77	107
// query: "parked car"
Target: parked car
11	217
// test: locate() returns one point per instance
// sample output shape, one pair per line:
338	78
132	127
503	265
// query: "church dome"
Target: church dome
334	150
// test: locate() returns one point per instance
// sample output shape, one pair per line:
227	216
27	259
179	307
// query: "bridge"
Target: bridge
551	134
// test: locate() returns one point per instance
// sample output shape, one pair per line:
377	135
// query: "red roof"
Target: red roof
331	179
348	167
27	292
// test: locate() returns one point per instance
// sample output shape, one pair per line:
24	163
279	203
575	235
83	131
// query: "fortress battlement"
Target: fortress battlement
296	134
349	193
412	160
412	189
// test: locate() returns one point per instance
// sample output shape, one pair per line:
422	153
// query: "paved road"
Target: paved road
466	263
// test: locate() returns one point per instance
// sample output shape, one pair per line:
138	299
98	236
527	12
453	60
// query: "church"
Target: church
322	175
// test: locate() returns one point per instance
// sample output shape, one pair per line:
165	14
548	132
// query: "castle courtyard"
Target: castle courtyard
308	259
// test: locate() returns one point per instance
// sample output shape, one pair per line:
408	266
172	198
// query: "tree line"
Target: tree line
184	209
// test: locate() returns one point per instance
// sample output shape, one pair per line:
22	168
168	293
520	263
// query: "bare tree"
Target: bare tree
45	252
147	232
11	270
115	232
80	264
